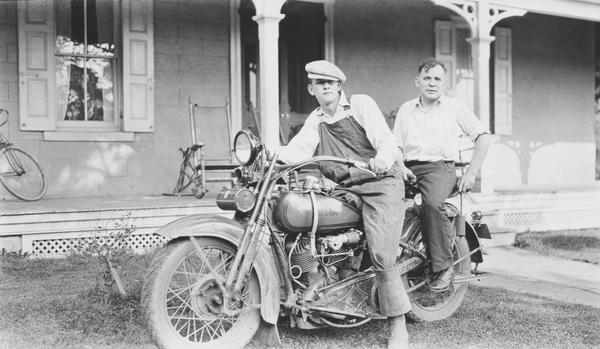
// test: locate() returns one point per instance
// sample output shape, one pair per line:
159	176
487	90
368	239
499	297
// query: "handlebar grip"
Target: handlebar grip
359	164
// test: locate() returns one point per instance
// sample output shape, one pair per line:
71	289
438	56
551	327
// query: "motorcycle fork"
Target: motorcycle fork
251	238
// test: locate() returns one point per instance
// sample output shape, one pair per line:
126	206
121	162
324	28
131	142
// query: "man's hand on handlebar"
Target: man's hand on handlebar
466	181
408	175
378	166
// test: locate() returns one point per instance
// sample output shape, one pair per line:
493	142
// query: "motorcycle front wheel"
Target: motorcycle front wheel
428	305
183	303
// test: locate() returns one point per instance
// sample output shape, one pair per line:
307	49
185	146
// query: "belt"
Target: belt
418	162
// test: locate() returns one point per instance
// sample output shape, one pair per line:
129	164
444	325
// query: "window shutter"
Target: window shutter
37	111
138	66
503	82
444	50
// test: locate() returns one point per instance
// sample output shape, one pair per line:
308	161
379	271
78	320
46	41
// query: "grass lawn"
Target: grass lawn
578	245
61	303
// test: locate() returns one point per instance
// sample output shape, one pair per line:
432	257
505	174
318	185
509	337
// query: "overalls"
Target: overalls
382	205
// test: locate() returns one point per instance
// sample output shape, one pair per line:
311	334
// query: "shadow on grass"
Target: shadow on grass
61	303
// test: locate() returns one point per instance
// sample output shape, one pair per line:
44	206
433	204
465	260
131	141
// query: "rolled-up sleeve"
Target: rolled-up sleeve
377	130
399	127
469	123
303	145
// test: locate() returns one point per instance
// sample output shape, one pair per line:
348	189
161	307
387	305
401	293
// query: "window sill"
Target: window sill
88	136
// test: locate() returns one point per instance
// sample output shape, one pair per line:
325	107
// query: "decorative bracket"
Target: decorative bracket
480	15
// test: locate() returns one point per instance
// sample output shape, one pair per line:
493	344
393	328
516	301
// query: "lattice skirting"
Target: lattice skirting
555	218
59	245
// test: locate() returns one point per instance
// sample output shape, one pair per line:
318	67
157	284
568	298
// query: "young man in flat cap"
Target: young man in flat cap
355	128
427	129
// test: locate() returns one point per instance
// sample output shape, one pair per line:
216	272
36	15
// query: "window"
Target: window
85	64
85	74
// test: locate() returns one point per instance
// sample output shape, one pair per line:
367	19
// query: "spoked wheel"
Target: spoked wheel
183	300
428	305
21	174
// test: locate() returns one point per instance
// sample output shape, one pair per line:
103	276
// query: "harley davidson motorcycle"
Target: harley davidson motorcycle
292	252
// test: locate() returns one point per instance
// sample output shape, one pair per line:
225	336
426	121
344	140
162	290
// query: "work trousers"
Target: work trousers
436	181
383	218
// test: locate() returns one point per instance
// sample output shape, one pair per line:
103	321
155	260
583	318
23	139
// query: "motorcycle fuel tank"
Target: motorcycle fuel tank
293	213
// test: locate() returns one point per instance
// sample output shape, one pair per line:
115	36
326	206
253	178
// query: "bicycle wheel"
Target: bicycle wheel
21	174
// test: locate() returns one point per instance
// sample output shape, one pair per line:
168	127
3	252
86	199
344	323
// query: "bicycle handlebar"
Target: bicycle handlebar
4	111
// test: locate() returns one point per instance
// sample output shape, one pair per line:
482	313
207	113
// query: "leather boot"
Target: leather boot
398	333
443	280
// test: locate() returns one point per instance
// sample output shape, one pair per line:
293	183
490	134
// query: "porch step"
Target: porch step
53	227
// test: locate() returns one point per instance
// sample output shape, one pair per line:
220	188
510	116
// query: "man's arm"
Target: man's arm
303	145
406	172
377	131
482	145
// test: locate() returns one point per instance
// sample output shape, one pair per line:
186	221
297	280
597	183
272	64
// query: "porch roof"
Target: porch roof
588	10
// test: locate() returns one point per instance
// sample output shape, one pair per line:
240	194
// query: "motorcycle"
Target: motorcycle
293	252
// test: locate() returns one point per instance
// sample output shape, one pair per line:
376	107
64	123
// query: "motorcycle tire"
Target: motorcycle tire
428	305
182	303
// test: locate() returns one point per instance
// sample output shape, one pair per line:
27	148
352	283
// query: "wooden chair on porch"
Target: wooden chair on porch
213	125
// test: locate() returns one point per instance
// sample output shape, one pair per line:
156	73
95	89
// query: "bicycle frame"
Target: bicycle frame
14	171
4	143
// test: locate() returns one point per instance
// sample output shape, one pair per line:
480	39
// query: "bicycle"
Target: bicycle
20	173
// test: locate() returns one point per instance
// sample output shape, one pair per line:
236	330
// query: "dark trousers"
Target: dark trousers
435	181
383	218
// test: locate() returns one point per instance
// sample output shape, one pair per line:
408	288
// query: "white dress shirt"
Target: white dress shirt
434	135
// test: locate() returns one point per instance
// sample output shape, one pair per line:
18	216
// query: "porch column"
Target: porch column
268	15
480	53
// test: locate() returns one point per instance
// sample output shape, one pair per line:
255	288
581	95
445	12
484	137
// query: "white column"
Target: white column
268	17
480	51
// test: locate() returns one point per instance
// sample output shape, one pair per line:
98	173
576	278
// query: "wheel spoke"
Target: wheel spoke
194	299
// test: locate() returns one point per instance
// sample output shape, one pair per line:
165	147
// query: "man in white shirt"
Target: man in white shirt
427	130
355	128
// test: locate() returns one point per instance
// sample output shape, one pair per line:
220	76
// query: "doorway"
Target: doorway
301	40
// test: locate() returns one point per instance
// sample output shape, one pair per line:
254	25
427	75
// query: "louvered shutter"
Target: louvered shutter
444	50
138	66
503	82
37	109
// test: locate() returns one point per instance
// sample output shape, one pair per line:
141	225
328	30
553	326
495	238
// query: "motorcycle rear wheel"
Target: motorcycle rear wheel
428	305
182	302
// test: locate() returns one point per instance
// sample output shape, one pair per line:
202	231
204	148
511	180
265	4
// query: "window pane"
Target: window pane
73	16
101	97
70	92
100	21
69	26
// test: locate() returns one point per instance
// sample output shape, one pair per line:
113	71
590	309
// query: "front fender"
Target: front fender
231	231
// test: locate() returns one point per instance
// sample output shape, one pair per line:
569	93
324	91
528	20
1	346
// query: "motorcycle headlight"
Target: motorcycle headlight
245	147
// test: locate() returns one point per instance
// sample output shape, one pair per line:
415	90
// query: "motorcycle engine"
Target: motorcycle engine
334	258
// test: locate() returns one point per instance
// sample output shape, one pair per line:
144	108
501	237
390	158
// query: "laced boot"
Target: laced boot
443	281
398	333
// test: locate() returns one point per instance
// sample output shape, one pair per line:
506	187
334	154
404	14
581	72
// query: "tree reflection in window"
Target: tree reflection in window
85	57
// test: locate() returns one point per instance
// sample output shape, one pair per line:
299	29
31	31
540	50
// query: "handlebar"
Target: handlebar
356	163
4	111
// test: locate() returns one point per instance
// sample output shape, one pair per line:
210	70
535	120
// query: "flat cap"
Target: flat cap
324	70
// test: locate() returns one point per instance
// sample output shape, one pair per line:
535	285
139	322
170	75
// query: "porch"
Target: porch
54	226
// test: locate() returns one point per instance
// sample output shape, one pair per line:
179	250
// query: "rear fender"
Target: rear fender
231	231
473	242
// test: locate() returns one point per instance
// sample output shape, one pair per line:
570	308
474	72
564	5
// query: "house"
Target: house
99	90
